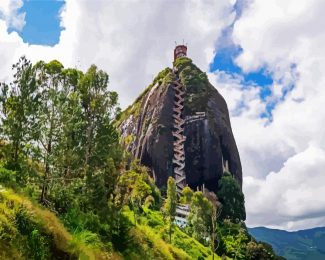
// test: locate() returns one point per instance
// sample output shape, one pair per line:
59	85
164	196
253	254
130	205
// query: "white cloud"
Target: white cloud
283	161
9	13
293	197
131	40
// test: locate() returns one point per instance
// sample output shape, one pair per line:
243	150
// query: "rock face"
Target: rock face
146	128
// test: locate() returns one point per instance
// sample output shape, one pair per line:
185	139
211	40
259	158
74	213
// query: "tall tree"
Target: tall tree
19	103
70	148
199	218
49	78
171	204
232	199
99	108
215	213
99	140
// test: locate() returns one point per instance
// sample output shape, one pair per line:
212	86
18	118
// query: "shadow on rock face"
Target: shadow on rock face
209	147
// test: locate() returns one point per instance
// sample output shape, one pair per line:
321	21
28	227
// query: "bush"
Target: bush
7	177
38	245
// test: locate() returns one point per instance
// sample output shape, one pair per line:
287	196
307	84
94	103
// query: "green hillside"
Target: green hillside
68	189
304	244
28	231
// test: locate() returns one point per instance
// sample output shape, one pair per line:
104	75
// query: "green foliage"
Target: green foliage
237	243
38	245
234	242
149	201
18	103
170	204
232	199
258	251
187	195
61	119
59	146
7	177
136	189
196	84
181	62
171	200
35	232
199	219
150	240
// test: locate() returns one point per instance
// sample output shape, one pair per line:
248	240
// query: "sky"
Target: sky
267	59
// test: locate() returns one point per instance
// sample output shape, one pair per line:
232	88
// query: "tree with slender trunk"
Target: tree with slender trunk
171	204
214	214
19	102
49	78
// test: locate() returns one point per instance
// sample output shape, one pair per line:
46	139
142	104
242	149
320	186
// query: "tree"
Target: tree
187	195
140	192
134	188
19	102
99	108
199	218
257	251
234	239
69	152
215	213
232	199
170	204
49	130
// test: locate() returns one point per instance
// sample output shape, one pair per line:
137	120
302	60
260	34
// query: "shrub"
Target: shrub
232	199
7	177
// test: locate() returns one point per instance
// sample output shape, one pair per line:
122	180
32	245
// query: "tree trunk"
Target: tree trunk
47	171
16	149
47	163
170	231
89	133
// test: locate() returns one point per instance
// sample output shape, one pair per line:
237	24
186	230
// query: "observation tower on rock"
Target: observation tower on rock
180	51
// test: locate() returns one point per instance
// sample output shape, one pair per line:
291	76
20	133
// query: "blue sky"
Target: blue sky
224	60
42	22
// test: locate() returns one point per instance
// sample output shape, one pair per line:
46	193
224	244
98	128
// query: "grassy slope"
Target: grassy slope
29	232
304	244
152	231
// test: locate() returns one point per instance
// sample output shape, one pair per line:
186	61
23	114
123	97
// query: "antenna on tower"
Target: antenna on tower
175	43
183	41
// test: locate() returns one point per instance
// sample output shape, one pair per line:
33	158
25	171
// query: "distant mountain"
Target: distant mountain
303	244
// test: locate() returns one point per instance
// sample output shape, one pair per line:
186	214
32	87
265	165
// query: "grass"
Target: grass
29	231
152	231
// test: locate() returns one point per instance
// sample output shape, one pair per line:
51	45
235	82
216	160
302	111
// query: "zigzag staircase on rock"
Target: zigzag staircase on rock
179	138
